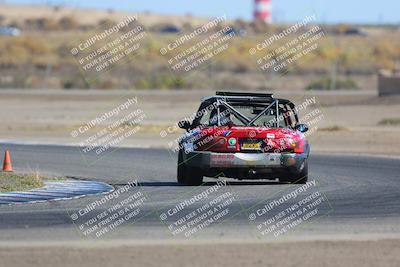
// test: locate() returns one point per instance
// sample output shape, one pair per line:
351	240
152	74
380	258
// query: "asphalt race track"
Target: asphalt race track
361	195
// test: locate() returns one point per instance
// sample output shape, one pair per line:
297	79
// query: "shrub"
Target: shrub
326	83
163	81
41	24
389	122
68	23
106	23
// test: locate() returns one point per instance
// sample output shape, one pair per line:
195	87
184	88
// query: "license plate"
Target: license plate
251	146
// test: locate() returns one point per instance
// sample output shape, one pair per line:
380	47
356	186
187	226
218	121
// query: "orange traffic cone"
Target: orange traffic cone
7	167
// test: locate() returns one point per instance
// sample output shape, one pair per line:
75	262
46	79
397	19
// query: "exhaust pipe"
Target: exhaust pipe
252	173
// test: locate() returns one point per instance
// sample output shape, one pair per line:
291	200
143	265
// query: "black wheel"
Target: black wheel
187	175
296	176
194	176
181	169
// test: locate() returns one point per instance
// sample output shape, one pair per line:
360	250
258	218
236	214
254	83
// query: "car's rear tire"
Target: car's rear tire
187	175
181	176
296	177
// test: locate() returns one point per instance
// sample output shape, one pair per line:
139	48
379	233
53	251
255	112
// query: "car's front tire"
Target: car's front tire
187	175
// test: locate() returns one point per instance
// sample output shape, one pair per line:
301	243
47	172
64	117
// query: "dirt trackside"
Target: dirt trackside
307	253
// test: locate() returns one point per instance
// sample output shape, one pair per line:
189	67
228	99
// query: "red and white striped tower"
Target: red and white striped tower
262	10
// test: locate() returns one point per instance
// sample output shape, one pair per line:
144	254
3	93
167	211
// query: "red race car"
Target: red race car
243	136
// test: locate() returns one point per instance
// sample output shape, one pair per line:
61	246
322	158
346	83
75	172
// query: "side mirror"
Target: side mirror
301	127
184	125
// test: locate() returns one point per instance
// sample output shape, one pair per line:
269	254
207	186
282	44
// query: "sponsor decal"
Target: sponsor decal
232	141
270	135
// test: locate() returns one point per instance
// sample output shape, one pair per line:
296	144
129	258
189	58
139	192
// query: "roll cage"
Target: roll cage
266	101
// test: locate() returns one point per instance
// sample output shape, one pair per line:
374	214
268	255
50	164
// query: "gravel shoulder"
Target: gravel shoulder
307	253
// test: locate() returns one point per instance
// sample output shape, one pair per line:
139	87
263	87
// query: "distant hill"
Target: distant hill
19	13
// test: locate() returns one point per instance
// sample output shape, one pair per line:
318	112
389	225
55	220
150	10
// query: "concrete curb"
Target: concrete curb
59	190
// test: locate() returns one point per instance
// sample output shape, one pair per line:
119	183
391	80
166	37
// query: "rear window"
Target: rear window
211	117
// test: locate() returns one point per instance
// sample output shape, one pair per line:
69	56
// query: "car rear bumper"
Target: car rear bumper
208	160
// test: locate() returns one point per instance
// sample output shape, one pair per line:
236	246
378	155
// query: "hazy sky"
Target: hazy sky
332	11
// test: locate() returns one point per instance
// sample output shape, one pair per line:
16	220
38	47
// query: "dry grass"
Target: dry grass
10	181
389	122
29	60
333	128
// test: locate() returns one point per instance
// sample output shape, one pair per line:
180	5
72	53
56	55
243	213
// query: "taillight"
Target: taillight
298	146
